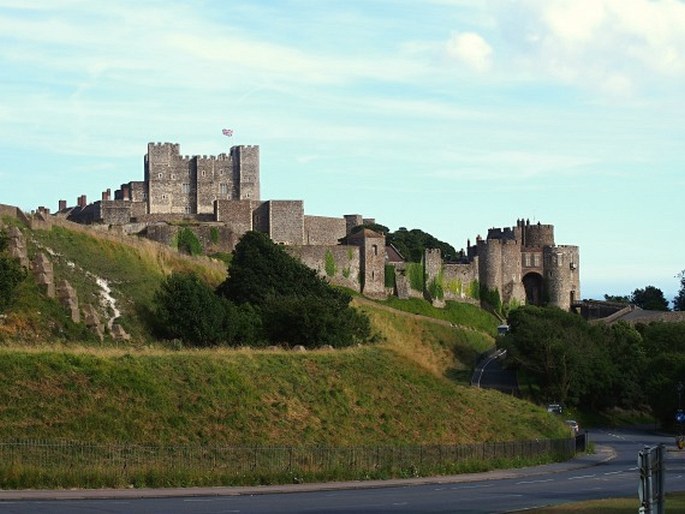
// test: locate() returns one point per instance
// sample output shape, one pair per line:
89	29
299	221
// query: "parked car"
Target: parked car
575	428
555	408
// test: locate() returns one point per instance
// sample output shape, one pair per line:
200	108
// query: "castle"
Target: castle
218	198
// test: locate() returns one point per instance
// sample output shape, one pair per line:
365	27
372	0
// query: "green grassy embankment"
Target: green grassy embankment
362	396
59	383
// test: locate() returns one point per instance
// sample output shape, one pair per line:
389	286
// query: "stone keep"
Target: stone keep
190	185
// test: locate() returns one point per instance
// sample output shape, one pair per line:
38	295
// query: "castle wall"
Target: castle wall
286	221
512	287
116	212
352	220
562	275
322	230
137	191
457	280
237	214
342	261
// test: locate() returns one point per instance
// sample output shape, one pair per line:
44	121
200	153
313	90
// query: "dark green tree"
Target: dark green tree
628	359
189	310
296	305
413	243
650	298
11	275
558	352
679	300
617	298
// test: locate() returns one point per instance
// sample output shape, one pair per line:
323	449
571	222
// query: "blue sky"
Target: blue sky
452	116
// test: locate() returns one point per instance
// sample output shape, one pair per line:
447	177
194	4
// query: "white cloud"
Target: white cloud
615	46
471	49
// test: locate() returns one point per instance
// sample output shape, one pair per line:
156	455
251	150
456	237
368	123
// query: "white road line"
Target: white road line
582	476
542	481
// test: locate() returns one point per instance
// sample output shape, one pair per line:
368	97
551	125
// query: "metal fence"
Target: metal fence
227	460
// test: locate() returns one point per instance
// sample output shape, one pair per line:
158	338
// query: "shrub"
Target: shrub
295	304
389	275
188	242
329	264
416	276
11	275
187	309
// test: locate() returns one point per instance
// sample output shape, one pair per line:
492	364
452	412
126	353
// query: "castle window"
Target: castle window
160	175
204	173
536	260
223	189
164	197
186	188
173	177
187	209
375	249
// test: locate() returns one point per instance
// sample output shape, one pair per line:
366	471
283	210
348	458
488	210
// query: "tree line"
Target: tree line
652	298
560	357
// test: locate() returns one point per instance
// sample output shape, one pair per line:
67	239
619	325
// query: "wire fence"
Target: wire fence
266	461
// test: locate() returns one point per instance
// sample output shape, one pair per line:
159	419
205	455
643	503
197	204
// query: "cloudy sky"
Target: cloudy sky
452	116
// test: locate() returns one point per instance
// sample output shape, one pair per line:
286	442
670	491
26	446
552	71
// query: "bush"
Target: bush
188	242
296	306
187	309
11	275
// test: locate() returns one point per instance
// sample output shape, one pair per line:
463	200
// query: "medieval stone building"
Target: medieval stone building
218	197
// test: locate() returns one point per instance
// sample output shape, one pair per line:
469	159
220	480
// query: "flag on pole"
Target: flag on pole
227	132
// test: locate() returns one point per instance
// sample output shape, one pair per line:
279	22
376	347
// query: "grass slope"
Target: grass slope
132	267
403	390
360	396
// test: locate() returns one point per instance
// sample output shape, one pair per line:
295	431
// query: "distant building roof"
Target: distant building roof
393	254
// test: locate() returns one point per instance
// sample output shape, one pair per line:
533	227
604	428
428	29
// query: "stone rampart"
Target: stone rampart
458	281
13	212
322	230
339	264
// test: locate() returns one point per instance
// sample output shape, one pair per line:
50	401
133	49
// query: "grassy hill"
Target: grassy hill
59	382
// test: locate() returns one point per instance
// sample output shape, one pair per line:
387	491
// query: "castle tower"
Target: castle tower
538	236
372	265
246	171
432	271
161	173
562	275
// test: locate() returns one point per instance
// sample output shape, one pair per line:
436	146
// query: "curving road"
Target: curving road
611	472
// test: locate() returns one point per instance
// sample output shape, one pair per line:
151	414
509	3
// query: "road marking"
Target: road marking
541	481
613	473
472	487
198	500
582	476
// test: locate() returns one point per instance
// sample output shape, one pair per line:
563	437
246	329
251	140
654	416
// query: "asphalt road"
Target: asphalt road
611	472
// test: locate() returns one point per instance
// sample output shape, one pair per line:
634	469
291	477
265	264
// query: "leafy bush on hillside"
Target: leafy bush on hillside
269	296
11	274
188	242
295	304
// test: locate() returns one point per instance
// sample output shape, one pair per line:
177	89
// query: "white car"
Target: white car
575	428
